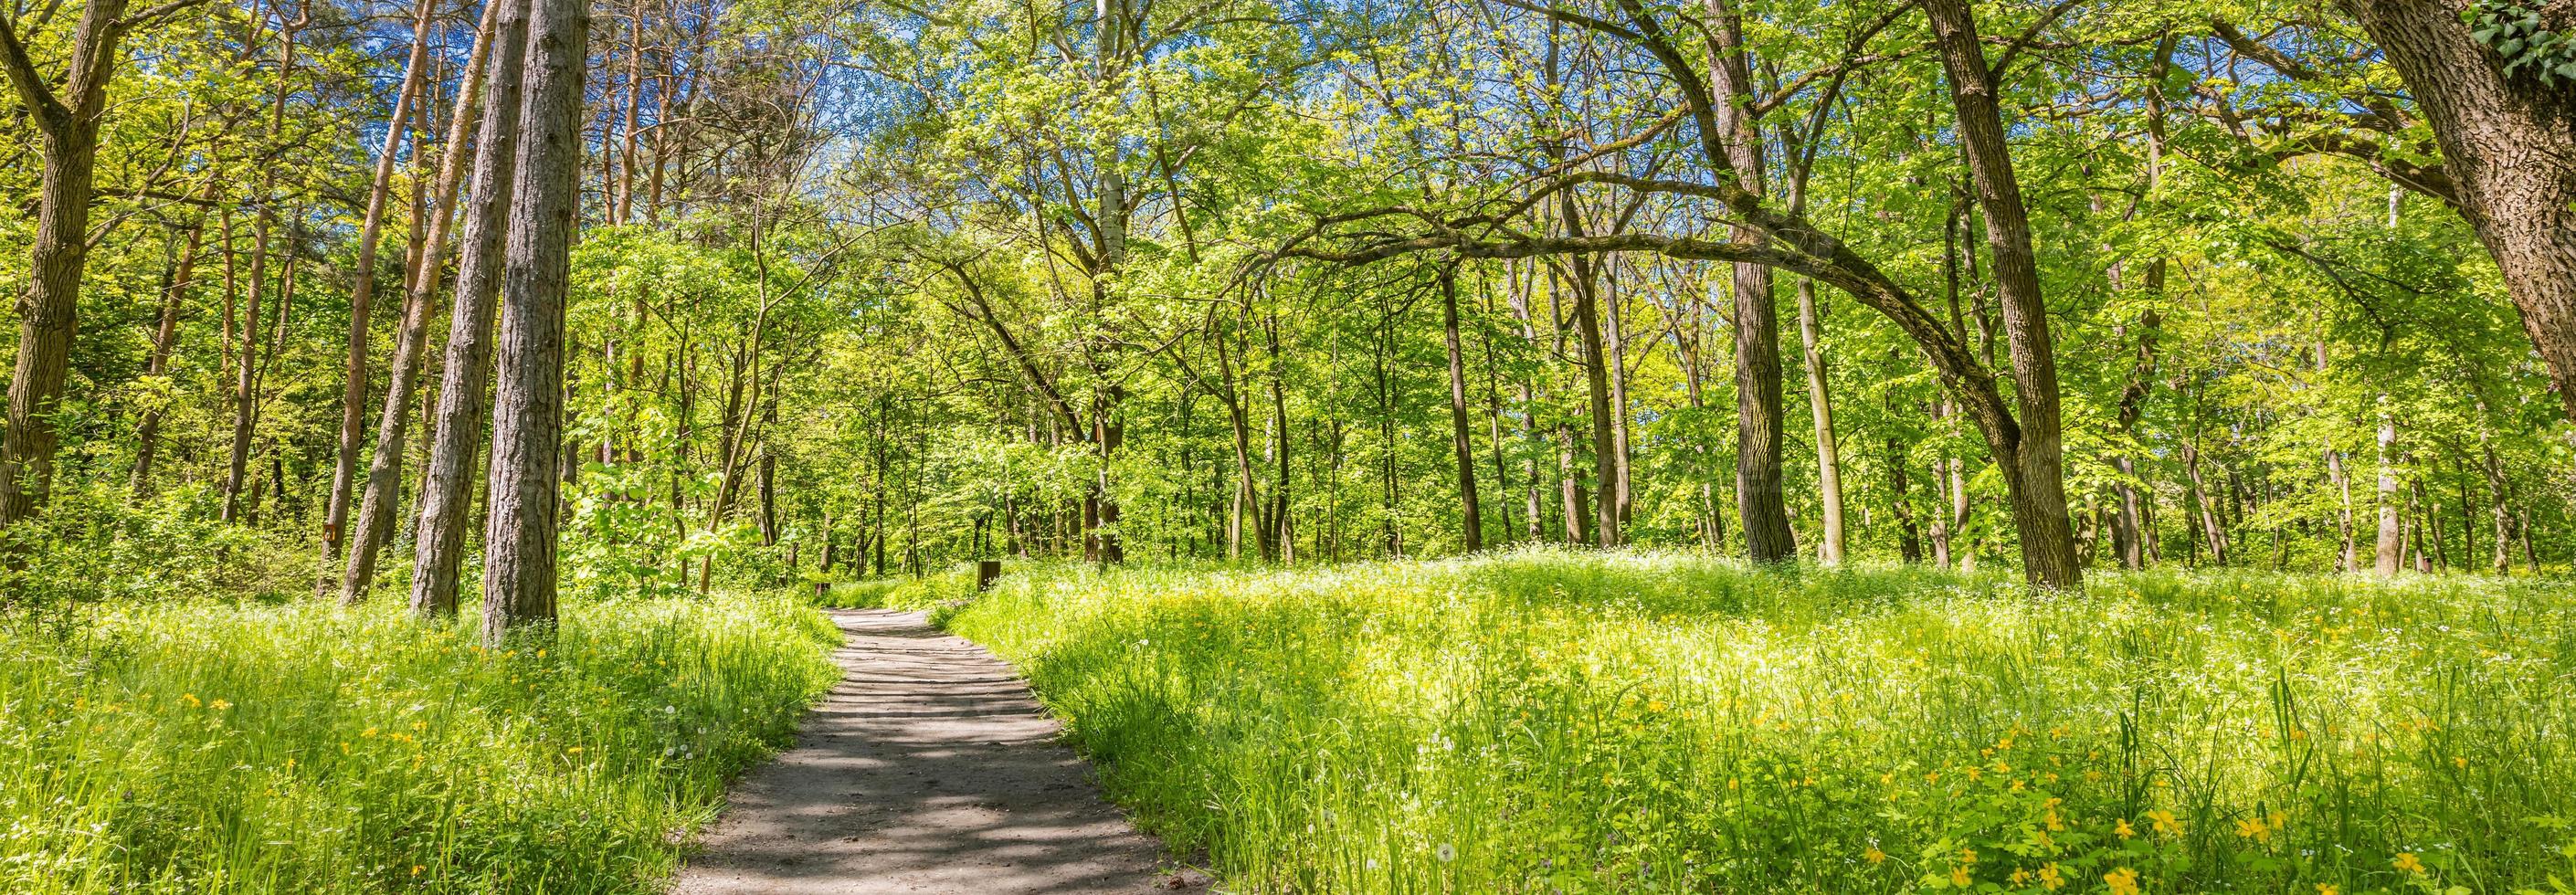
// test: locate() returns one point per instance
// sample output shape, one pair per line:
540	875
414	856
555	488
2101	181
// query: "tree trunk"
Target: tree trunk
246	382
1471	524
2509	144
1760	421
527	407
353	393
2035	458
446	501
1829	461
384	467
47	311
165	339
2391	549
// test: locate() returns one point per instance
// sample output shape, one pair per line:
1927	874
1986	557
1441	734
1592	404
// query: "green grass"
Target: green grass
299	748
1545	722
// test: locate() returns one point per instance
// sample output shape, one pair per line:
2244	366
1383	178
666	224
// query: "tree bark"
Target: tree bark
1471	520
2510	146
353	393
67	122
519	535
1760	421
246	381
1829	461
2391	548
446	500
384	467
2034	463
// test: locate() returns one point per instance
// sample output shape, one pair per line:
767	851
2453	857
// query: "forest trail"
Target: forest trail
928	770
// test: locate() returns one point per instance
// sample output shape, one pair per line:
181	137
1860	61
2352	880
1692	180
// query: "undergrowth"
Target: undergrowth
293	747
1546	722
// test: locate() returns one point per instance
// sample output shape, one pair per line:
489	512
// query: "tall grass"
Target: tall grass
1579	723
300	748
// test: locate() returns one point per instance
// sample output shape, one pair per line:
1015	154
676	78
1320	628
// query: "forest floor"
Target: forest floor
927	770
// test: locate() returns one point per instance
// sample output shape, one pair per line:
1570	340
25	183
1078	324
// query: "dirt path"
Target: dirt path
927	771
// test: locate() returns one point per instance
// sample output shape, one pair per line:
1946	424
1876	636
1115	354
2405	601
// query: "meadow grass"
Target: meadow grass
297	747
1545	722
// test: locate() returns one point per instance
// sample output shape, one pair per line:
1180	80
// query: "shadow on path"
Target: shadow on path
928	770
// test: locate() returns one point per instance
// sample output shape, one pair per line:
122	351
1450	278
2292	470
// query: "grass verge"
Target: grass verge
302	748
1546	722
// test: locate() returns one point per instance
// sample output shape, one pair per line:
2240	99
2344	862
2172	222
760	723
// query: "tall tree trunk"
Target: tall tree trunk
2391	548
2347	557
527	407
353	393
165	339
446	501
67	122
1596	380
246	381
384	467
2509	144
1760	421
1471	521
1829	461
2034	462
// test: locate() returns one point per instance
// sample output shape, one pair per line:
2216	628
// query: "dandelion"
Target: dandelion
1447	853
416	869
2407	861
2123	881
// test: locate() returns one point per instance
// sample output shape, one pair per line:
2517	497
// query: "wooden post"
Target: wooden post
986	570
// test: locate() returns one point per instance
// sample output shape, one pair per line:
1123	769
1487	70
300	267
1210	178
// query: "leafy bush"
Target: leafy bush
1628	723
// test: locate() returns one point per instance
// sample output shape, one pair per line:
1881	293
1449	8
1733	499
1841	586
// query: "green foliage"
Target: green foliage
298	748
97	547
2517	32
1649	723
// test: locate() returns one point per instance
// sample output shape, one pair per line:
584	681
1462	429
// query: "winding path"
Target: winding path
929	770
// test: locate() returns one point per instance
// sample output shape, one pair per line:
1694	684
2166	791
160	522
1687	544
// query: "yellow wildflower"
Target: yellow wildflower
1874	856
2407	861
2253	828
2123	881
2050	878
1959	876
2328	889
221	704
2166	823
2122	827
190	699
